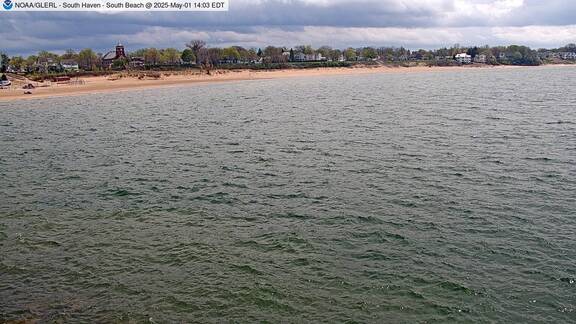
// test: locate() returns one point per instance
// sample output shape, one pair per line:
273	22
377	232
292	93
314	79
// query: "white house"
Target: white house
70	65
464	58
301	57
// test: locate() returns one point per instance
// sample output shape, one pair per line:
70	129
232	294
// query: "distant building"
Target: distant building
480	58
444	58
70	65
567	55
403	57
464	58
137	61
46	64
301	57
109	58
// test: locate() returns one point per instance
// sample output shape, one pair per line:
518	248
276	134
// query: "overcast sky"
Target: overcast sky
338	23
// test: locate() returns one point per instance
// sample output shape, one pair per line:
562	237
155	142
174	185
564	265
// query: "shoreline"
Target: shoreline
106	84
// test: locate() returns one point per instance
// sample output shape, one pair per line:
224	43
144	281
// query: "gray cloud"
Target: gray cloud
425	23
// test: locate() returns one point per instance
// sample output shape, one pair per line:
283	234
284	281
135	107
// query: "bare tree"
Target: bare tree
196	46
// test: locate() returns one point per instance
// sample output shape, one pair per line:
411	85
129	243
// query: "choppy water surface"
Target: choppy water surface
414	197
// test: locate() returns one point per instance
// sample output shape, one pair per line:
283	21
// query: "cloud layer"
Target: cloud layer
339	23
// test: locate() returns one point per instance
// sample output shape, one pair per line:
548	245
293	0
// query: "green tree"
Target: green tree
30	62
45	56
152	56
120	64
473	51
350	54
522	55
253	55
4	62
170	56
306	49
325	51
369	53
188	56
87	59
570	48
138	53
244	53
17	63
231	54
335	55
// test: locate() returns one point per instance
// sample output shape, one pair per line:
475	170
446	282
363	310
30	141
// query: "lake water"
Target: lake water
407	197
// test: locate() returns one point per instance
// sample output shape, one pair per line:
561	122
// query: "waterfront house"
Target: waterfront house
70	65
301	57
403	57
444	58
464	58
46	64
136	61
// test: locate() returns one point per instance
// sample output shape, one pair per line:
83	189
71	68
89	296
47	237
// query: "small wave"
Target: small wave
455	287
301	262
266	247
217	198
235	185
559	122
288	196
121	193
543	159
246	268
292	215
372	255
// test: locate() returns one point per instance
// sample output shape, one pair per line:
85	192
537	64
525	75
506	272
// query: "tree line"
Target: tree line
197	52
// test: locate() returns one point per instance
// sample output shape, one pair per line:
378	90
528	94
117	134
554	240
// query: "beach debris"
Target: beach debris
61	79
4	81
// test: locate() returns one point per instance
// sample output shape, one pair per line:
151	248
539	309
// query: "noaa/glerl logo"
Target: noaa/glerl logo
8	4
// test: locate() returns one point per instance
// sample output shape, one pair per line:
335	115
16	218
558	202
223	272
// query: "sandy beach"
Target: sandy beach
125	81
